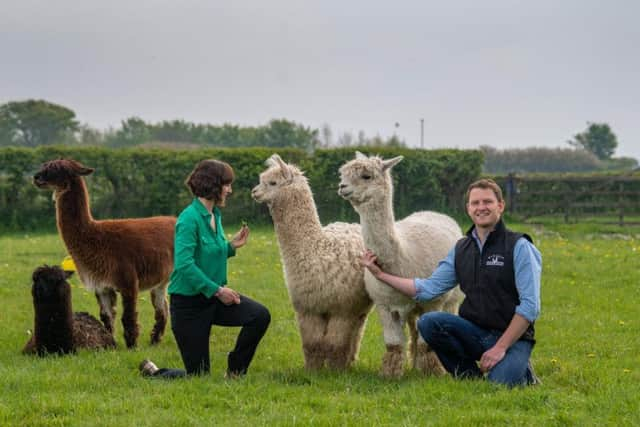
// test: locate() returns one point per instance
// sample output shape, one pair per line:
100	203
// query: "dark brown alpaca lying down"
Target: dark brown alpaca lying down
57	328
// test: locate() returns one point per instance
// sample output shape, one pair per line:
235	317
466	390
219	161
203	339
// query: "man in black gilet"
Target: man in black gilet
499	272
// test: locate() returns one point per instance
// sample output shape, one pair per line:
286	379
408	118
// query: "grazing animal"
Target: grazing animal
124	255
57	328
411	247
321	267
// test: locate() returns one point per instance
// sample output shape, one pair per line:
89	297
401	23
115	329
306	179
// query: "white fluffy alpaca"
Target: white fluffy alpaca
411	247
321	267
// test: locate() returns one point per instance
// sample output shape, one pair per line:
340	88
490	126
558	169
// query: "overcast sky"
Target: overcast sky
501	73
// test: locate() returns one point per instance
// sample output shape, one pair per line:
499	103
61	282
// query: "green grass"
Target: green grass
588	354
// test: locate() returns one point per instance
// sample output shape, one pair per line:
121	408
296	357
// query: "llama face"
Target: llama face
57	174
50	284
366	178
276	181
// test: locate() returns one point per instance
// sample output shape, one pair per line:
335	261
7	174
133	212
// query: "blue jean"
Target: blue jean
459	343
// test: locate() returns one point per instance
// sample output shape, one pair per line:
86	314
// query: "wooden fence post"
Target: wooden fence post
511	190
621	203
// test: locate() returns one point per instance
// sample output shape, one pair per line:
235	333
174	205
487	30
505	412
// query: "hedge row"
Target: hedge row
139	183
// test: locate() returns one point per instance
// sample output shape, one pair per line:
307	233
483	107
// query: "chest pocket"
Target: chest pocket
211	246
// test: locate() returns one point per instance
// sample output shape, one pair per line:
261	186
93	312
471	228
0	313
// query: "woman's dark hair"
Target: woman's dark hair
208	177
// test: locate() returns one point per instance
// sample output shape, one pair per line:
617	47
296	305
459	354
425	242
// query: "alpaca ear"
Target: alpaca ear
359	155
79	169
388	164
283	166
275	159
85	171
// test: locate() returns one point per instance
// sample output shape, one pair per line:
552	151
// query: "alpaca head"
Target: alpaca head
50	285
365	179
57	174
278	182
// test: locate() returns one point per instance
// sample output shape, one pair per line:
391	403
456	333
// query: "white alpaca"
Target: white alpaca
411	247
321	267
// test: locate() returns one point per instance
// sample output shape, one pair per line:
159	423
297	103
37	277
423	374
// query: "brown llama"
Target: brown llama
57	328
123	255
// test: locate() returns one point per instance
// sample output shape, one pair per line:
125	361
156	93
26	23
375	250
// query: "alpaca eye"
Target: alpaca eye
272	183
366	177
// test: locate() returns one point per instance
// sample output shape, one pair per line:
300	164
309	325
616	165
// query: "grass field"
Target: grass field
588	354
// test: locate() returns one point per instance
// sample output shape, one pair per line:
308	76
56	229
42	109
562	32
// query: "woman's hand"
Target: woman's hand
227	296
240	239
369	261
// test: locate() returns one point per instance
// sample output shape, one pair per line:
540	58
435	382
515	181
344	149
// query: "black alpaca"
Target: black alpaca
57	329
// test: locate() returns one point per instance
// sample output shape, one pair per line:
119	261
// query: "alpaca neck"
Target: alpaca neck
54	326
378	228
73	216
53	314
296	223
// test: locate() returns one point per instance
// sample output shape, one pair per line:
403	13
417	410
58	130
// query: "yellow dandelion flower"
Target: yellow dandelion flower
621	323
554	360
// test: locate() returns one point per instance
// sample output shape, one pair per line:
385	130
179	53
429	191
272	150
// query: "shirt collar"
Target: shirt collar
199	207
473	233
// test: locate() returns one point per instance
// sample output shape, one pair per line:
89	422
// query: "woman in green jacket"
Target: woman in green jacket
199	297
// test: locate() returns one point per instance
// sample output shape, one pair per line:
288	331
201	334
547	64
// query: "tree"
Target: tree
597	139
345	140
89	136
135	131
326	136
36	122
283	133
176	131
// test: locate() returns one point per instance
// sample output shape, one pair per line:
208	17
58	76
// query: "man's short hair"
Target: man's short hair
485	184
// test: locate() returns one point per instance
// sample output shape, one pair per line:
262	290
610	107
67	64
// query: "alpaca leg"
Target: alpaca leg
422	357
453	301
427	361
340	334
356	336
394	339
312	330
30	346
413	337
161	306
130	317
107	301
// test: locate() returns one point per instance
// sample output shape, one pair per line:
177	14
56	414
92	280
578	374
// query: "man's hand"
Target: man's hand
228	296
491	357
369	261
240	239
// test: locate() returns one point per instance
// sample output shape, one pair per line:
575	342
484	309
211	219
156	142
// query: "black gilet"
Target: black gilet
487	279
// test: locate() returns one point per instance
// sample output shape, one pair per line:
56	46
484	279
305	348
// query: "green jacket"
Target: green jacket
200	254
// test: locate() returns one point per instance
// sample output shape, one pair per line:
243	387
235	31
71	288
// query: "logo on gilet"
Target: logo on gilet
495	260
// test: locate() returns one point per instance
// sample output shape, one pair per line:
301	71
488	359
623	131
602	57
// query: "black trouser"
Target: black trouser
191	321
